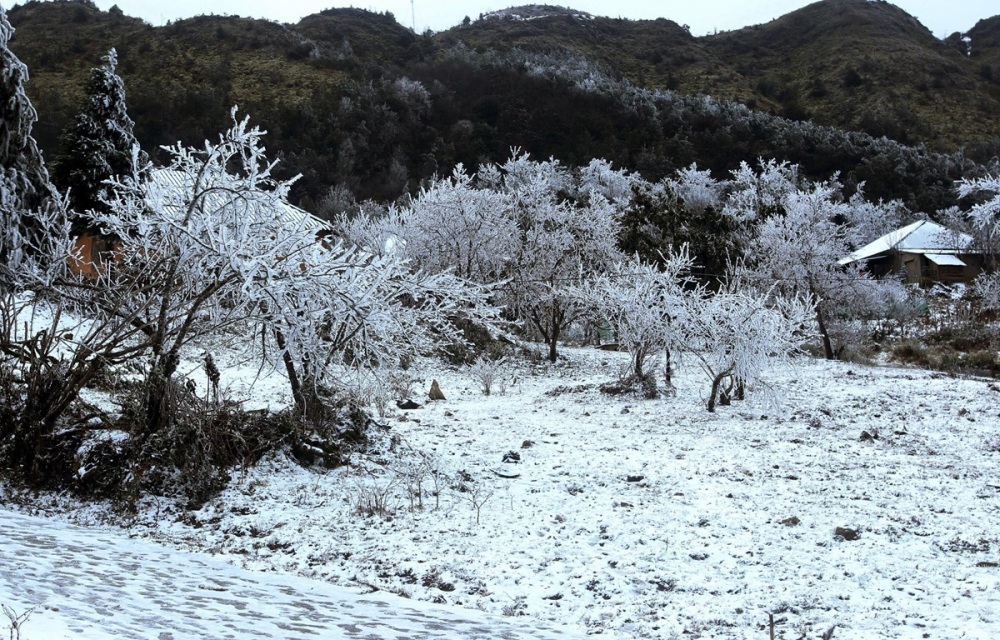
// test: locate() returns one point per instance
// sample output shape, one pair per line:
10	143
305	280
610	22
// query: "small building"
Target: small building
926	251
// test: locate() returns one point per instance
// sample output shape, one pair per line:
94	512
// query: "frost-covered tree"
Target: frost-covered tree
982	222
613	184
452	225
529	226
798	248
680	210
738	335
47	354
24	180
335	202
377	229
43	366
45	361
215	248
985	219
867	220
755	195
559	245
338	313
986	286
204	252
98	144
696	189
193	251
647	307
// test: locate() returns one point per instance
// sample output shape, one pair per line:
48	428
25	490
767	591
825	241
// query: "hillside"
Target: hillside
650	53
350	97
181	79
984	51
867	66
355	34
853	64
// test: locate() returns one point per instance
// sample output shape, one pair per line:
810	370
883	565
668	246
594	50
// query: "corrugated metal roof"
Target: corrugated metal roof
294	216
923	236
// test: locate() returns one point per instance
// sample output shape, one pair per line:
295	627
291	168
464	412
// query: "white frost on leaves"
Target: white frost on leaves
698	190
985	213
512	227
646	305
241	264
987	288
754	194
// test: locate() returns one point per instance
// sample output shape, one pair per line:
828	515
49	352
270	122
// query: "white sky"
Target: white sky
704	16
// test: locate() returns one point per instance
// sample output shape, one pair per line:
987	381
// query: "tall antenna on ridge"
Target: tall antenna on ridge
413	16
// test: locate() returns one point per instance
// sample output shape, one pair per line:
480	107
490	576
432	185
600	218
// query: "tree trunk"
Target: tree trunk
156	400
637	366
827	345
291	371
716	384
668	374
725	399
308	404
158	390
553	339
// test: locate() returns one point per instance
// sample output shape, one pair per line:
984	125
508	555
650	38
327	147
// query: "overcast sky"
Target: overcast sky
703	16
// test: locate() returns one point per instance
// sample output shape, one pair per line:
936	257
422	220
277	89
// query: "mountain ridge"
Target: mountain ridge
352	97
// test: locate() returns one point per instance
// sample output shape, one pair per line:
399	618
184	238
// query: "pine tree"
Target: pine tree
24	180
98	145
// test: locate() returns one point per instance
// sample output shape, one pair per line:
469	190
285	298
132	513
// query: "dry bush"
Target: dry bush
910	352
853	342
43	367
951	350
981	362
373	496
487	372
190	457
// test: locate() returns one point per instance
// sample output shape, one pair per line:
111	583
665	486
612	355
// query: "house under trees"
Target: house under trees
924	251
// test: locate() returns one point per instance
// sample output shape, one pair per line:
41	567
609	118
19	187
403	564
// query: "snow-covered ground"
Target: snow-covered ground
68	582
638	518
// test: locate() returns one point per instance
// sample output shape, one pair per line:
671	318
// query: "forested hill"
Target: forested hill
353	98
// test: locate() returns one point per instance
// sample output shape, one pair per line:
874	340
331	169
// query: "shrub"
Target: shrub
982	360
487	371
911	352
191	456
476	342
375	497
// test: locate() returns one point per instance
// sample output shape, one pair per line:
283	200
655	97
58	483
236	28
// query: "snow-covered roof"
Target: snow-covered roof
922	236
945	259
294	216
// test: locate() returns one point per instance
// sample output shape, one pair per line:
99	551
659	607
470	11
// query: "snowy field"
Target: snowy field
630	517
65	582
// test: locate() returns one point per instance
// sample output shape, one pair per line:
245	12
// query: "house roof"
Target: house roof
294	216
945	259
922	236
